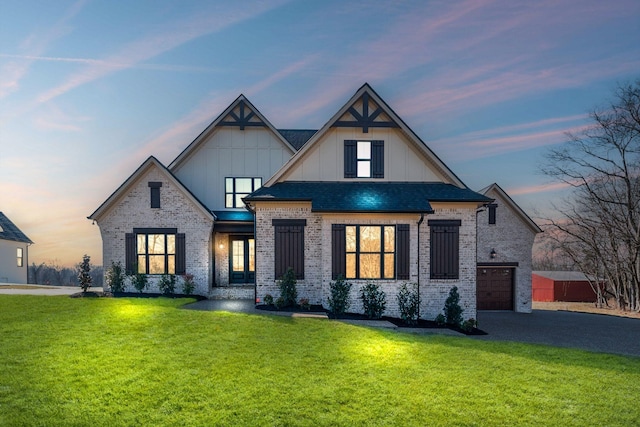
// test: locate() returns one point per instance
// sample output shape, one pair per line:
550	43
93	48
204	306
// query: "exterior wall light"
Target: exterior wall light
493	253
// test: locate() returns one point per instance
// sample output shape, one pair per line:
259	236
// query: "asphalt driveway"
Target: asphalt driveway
593	332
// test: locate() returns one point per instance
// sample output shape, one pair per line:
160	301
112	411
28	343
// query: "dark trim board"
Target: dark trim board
233	227
497	264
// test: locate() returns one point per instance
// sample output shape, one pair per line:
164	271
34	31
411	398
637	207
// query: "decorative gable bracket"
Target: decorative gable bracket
242	117
366	120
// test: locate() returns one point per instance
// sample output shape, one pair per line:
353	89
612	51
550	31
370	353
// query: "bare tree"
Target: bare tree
599	225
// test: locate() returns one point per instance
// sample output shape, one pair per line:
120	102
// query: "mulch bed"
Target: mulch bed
133	295
422	323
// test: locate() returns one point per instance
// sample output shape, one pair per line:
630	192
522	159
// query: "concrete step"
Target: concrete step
232	292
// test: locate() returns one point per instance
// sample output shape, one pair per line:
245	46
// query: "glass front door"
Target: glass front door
242	259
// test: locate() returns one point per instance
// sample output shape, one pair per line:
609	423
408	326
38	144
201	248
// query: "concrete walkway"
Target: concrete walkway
18	289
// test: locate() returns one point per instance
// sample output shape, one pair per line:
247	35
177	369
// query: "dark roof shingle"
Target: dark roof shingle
9	231
297	137
367	196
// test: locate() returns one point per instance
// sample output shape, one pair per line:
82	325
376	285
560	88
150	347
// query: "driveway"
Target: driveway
13	289
593	332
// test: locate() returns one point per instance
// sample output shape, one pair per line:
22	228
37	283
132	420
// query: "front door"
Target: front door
242	260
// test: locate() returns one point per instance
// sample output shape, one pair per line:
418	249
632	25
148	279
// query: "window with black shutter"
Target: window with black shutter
155	194
492	214
445	244
289	246
155	251
363	159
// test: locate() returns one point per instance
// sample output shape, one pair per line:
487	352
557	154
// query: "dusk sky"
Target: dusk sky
90	89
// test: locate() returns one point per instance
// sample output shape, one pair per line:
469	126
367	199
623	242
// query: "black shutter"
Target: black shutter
445	249
338	251
181	258
492	214
350	159
289	247
377	159
402	251
130	260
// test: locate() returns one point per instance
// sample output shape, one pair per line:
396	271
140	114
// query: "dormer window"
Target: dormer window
363	159
155	194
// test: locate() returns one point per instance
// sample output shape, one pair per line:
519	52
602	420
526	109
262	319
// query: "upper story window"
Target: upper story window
492	213
363	159
20	257
155	194
237	188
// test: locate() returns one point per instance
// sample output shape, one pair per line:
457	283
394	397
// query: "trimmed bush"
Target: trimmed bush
339	300
84	273
469	324
452	309
409	303
373	300
288	291
440	319
140	281
305	304
268	299
116	277
188	285
167	284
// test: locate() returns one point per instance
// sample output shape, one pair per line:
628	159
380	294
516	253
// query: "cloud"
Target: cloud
538	188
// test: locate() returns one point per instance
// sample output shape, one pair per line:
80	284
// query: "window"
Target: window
289	246
444	253
155	251
155	194
237	188
370	251
20	257
492	213
363	159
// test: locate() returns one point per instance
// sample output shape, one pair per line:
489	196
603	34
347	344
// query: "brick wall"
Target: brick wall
133	210
512	240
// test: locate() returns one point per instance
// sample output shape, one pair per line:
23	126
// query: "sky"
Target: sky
90	88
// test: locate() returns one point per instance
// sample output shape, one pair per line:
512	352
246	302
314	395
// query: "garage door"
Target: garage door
494	288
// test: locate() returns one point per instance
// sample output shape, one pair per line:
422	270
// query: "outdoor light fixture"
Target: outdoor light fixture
493	253
221	245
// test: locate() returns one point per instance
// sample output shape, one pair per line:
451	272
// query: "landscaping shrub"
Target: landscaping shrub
304	304
140	281
373	300
167	284
339	300
84	273
188	285
279	303
288	291
441	320
268	299
469	324
116	277
452	309
409	303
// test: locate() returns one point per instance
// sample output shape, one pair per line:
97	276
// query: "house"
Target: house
505	240
14	252
569	286
363	197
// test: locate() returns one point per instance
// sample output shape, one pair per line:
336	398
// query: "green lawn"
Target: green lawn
108	361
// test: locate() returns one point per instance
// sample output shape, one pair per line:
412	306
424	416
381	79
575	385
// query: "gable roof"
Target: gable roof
9	231
562	275
366	120
252	118
143	168
367	196
513	205
297	137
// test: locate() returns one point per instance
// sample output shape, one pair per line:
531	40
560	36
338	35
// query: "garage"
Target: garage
494	288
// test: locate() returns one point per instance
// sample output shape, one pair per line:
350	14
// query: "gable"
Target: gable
366	117
503	201
240	143
9	231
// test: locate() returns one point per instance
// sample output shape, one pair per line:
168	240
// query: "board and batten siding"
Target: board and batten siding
403	162
231	152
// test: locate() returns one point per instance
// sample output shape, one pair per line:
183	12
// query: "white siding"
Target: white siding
403	162
231	152
9	270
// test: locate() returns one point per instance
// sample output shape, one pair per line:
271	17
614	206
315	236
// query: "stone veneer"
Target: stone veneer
512	239
317	246
133	210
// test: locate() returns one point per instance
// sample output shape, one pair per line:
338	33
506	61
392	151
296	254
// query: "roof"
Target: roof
564	276
513	205
367	90
242	216
150	162
367	196
9	231
297	137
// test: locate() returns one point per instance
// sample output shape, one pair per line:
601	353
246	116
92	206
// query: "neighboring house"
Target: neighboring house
569	286
363	197
505	241
14	252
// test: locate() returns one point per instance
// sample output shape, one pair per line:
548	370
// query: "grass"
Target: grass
104	361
